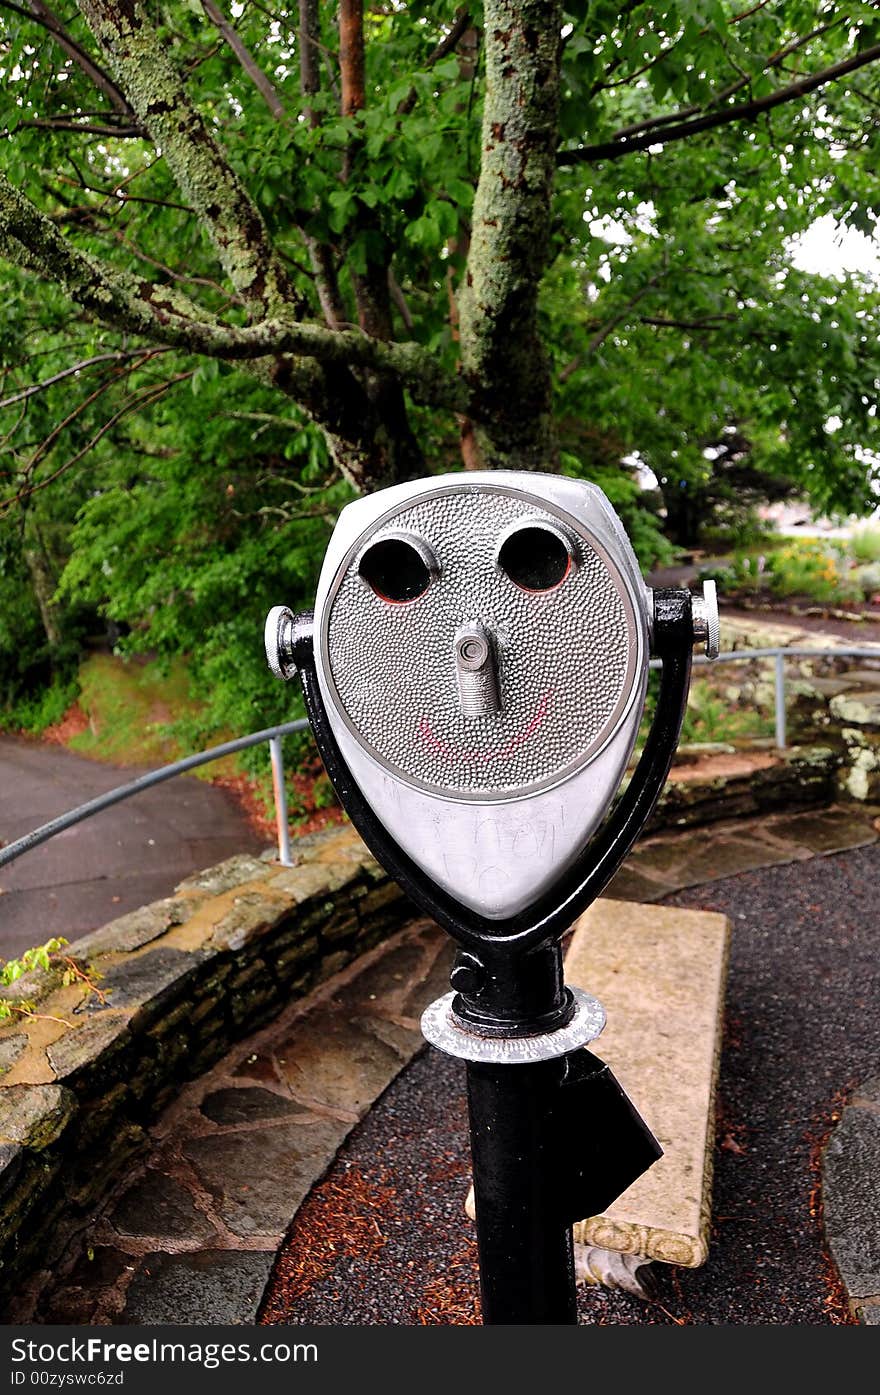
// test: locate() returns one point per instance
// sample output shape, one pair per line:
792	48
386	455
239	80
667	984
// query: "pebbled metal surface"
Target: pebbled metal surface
564	657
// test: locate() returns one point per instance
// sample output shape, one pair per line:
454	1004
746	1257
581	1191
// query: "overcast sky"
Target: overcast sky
826	247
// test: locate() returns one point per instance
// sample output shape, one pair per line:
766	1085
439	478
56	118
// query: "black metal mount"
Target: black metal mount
552	1143
554	1139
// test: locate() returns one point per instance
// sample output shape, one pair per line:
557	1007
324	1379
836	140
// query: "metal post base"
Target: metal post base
449	1033
553	1139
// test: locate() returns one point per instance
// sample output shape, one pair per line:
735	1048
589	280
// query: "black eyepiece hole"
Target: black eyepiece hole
534	558
396	570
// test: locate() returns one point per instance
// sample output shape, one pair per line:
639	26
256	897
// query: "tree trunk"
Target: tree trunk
503	357
42	578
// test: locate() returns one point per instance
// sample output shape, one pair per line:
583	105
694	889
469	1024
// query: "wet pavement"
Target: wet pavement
120	859
384	1238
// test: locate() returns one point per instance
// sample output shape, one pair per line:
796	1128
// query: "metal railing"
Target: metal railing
779	654
273	735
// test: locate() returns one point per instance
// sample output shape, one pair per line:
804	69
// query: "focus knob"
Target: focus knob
707	625
279	640
468	975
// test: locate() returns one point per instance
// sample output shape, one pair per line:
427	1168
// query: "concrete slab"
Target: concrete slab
709	859
825	830
850	1168
333	1061
631	884
863	677
209	1286
259	1176
157	1205
660	973
668	862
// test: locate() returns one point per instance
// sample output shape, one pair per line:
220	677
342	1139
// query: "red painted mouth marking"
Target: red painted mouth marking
462	757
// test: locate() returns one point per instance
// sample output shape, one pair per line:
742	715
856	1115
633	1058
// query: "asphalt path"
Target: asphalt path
126	856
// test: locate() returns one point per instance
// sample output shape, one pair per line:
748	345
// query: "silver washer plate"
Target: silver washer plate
441	1030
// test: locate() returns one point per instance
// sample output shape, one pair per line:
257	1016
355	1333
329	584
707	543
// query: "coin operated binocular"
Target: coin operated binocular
475	674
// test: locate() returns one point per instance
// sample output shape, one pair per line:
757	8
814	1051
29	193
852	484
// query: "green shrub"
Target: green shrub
42	709
868	578
712	718
805	567
864	545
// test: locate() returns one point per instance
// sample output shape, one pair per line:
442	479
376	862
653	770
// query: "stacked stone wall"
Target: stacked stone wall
84	1071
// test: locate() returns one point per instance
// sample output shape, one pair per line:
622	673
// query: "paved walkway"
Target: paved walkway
119	860
191	1233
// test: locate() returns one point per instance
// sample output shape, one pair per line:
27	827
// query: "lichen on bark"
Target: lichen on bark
503	358
201	170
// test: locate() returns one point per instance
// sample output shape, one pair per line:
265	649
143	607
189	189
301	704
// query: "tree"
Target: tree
532	235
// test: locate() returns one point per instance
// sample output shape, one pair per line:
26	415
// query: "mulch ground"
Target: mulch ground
384	1239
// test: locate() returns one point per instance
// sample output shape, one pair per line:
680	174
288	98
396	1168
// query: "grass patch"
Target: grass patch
711	717
718	710
131	708
142	712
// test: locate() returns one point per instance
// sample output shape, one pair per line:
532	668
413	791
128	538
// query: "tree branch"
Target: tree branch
351	55
746	111
598	339
308	35
320	254
262	83
142	398
370	286
403	455
46	445
164	315
115	356
707	322
774	61
140	63
41	14
503	359
70	123
460	25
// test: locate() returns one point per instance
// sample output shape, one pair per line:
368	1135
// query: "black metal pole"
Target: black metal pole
524	1242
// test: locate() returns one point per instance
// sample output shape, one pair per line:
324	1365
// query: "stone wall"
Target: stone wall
845	711
833	735
176	984
706	786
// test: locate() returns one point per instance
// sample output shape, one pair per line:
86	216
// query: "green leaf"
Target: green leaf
460	192
342	205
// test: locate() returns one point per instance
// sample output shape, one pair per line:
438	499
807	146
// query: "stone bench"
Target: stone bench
660	973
